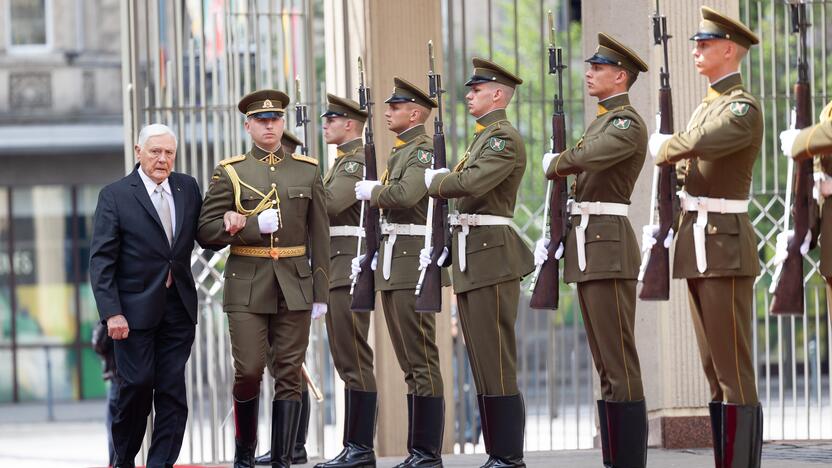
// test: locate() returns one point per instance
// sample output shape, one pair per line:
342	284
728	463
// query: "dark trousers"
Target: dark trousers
151	366
112	395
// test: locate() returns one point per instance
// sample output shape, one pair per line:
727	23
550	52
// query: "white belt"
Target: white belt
467	221
346	231
585	210
392	230
702	206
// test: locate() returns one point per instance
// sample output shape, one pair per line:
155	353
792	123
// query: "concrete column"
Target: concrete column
674	383
391	36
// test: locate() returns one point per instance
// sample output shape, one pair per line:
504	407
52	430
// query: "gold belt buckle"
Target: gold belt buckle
274	253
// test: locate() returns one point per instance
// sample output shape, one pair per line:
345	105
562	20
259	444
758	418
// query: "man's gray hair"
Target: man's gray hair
153	130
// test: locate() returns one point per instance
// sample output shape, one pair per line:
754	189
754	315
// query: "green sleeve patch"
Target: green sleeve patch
423	156
496	144
739	108
621	123
351	167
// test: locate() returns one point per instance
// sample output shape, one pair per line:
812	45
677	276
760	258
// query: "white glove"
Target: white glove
431	173
355	265
782	245
648	236
424	257
787	138
656	141
364	189
547	161
541	251
318	310
268	222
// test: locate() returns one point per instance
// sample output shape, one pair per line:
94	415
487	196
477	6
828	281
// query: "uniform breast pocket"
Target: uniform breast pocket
238	277
304	278
722	242
603	248
299	198
249	199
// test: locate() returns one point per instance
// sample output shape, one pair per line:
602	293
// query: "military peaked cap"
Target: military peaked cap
264	104
405	91
486	71
612	52
343	107
715	25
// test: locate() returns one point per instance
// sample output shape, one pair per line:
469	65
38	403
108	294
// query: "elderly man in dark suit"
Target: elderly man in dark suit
144	231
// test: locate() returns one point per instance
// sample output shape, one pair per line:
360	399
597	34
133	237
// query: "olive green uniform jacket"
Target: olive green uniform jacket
607	159
719	147
343	209
251	283
486	181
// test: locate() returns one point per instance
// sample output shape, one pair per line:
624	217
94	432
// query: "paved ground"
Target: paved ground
77	439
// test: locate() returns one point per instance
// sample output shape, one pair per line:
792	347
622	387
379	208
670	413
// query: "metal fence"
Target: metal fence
187	62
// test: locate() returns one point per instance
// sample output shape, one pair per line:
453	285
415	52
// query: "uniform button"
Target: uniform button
337	252
272	168
233	274
274	202
274	185
485	244
598	236
404	253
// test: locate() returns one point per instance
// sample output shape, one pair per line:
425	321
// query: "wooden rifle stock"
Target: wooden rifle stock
788	292
546	281
364	286
430	295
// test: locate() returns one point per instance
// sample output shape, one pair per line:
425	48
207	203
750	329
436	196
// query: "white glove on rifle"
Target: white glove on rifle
364	189
267	221
655	143
355	265
547	161
787	138
431	173
424	257
318	310
541	251
782	245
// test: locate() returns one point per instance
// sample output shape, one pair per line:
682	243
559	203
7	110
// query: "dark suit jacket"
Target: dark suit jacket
130	254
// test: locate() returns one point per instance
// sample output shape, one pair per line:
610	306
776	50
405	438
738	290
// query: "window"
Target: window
29	24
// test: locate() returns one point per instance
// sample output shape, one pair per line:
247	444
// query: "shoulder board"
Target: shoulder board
737	92
232	160
306	159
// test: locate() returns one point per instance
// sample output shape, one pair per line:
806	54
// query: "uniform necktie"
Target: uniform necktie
163	209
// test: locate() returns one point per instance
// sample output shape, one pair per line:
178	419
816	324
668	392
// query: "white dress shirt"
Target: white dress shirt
151	189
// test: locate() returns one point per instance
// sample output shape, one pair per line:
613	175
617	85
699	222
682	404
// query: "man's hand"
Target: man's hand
547	161
655	143
787	138
355	265
318	310
234	222
268	221
541	251
431	173
364	189
425	254
117	327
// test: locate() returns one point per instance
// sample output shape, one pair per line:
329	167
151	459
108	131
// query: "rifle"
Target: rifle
363	288
546	279
301	117
655	264
787	284
429	287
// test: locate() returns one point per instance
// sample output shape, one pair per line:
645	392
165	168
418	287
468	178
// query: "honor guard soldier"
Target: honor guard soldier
270	207
807	143
403	199
601	252
489	257
347	330
290	143
715	245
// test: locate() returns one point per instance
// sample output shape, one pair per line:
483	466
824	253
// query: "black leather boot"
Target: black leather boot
604	431
359	431
627	431
741	435
299	456
410	455
265	459
428	428
245	432
285	417
715	408
506	420
486	434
